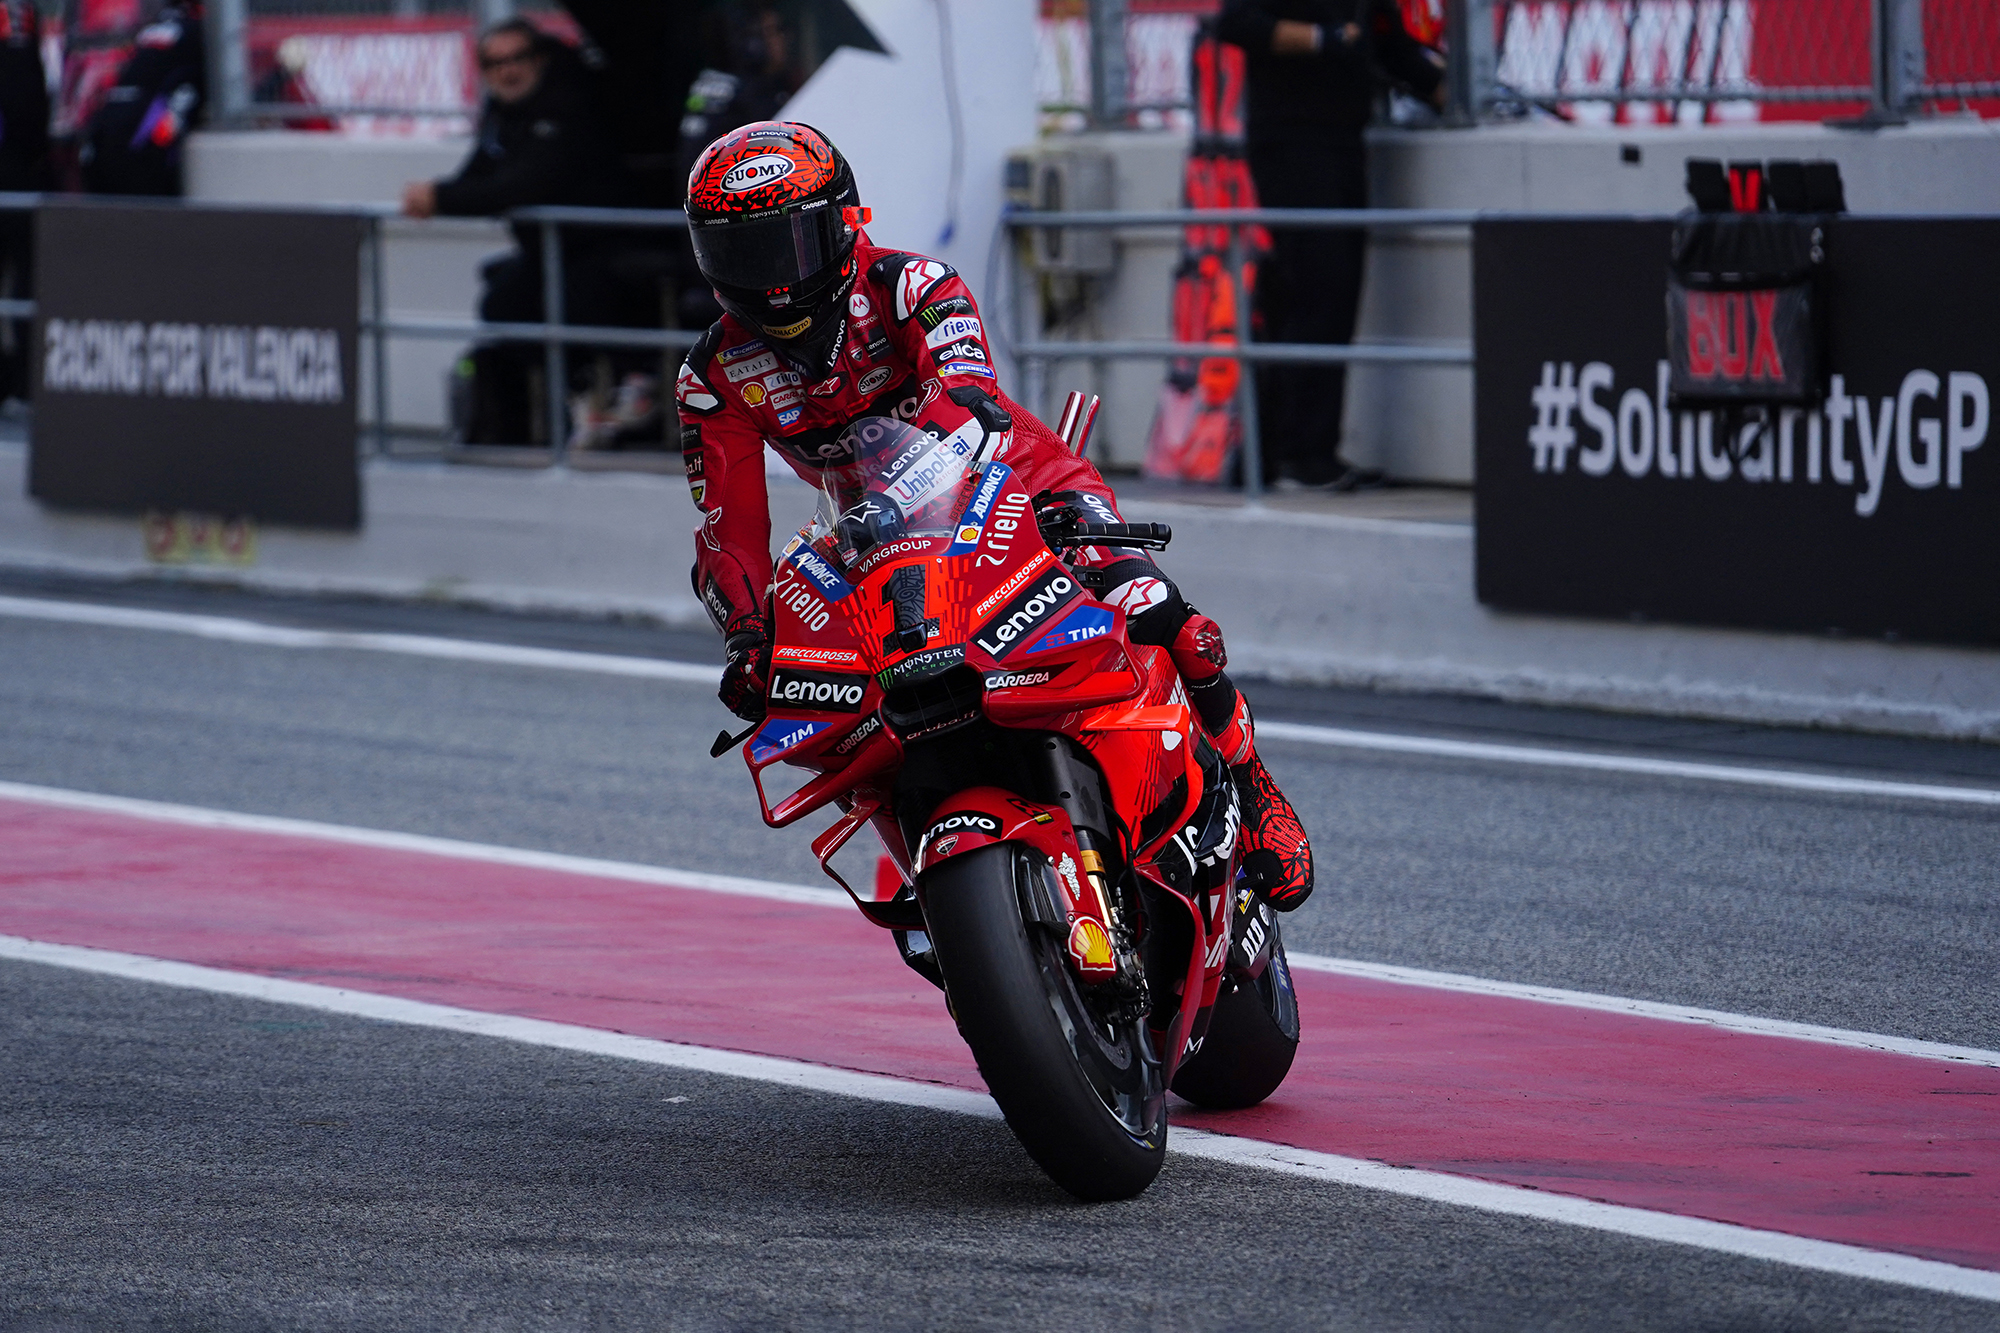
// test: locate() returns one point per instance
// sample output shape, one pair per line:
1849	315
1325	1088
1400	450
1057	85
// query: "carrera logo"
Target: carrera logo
1019	618
1010	680
756	172
852	741
832	692
964	821
875	379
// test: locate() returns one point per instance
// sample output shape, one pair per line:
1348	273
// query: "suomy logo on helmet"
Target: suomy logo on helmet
754	172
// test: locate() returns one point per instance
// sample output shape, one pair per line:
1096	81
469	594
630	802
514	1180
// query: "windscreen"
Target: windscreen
902	483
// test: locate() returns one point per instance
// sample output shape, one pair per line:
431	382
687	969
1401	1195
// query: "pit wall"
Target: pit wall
1416	421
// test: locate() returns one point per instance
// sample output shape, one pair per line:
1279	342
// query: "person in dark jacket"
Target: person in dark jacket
541	140
24	162
1312	71
133	142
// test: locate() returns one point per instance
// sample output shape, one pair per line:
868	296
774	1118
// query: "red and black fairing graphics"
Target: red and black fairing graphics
1014	632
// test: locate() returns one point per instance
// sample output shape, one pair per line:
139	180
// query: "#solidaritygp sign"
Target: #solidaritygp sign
194	359
1872	511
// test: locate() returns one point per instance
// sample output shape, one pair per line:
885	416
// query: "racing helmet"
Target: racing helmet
773	212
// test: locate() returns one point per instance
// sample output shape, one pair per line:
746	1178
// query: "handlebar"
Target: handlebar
1154	536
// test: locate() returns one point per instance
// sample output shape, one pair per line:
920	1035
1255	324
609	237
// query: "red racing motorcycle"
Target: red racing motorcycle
1066	835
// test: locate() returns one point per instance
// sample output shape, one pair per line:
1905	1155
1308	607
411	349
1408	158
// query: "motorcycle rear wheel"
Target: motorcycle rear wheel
1253	1033
1084	1097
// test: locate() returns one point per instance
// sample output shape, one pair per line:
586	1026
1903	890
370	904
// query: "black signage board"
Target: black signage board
196	359
1877	512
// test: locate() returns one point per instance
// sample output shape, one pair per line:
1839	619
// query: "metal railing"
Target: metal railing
1036	354
1669	57
553	333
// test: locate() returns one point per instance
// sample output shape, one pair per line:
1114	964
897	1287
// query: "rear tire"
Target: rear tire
1084	1097
1253	1033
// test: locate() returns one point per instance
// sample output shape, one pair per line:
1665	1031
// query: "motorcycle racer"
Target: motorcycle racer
820	327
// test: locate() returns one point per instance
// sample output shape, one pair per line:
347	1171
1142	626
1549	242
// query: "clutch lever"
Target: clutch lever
724	742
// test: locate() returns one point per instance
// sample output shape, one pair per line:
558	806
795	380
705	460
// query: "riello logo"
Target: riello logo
1928	427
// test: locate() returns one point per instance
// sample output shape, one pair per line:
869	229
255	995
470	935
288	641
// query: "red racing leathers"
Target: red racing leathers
913	334
913	337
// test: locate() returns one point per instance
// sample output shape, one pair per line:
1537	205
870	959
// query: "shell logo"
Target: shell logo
968	533
1089	943
753	394
755	172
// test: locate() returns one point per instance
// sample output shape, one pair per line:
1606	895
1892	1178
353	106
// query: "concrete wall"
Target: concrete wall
1416	421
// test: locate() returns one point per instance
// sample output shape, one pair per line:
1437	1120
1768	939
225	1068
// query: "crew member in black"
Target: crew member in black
24	166
1312	71
541	140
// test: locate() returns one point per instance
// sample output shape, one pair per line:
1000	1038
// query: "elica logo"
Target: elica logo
756	172
1929	425
1018	618
966	820
833	692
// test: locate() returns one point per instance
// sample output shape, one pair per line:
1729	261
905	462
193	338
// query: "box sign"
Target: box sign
194	359
1874	512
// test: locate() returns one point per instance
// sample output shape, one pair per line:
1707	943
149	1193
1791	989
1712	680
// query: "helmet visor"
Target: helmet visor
761	254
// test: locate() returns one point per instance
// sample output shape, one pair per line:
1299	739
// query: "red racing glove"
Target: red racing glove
746	674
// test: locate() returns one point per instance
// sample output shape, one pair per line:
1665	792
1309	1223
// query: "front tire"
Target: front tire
1084	1096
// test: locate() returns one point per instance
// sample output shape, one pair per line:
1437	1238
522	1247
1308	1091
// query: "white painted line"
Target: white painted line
1671	1013
468	650
667	877
1788	779
1484	1196
197	817
232	630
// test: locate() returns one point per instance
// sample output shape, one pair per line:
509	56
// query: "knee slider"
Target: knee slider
1197	648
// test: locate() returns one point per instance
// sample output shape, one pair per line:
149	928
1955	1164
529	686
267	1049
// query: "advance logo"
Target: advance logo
1013	623
818	691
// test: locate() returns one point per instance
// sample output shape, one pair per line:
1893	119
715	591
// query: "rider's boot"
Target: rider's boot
1277	858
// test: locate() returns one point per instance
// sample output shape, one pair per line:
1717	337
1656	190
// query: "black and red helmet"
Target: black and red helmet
774	213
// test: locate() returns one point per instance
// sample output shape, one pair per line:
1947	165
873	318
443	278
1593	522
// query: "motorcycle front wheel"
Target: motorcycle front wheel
1084	1095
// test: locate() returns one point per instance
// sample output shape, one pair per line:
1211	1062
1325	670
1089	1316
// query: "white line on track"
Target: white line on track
667	877
229	629
1436	1187
232	630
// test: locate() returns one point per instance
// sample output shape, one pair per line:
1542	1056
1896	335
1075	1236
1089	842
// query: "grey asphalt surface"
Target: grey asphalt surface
157	1146
175	1160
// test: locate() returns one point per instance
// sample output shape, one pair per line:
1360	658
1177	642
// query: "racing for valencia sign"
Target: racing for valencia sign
196	359
1874	510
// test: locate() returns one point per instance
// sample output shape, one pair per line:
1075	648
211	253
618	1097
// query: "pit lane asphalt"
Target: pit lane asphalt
177	1160
164	1162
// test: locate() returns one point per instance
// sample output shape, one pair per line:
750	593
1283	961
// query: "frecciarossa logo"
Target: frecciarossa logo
818	691
1013	623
